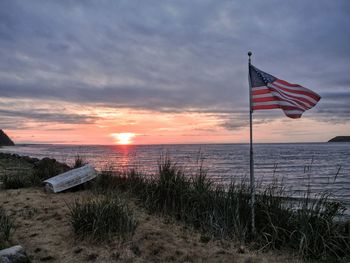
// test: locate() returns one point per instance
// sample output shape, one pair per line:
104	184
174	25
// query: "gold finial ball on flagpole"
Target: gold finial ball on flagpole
249	53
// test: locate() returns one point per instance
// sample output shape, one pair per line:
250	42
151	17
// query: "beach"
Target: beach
43	228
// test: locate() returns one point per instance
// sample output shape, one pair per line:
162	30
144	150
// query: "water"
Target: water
315	166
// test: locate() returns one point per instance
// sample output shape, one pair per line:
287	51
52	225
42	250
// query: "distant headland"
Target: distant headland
340	139
5	140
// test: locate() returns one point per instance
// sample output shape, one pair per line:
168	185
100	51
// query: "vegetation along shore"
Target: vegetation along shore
171	216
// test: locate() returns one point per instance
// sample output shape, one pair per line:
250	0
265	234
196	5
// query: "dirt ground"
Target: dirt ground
43	228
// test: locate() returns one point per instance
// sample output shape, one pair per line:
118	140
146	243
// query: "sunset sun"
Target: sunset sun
123	138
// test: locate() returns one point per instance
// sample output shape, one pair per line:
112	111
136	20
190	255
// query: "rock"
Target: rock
340	139
15	254
29	159
5	140
34	160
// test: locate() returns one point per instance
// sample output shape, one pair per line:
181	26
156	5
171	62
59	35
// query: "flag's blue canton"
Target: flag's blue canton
267	78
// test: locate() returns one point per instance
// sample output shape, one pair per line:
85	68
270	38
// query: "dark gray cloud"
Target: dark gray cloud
173	55
42	115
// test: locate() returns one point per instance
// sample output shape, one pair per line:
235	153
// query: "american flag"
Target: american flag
269	92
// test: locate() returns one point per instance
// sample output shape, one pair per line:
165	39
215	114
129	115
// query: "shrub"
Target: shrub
100	218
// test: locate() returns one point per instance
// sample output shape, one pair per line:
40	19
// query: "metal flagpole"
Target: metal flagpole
252	181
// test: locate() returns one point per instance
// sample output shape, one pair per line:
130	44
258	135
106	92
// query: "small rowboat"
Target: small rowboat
70	179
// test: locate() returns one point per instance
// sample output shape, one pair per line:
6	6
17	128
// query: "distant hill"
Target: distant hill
5	140
340	139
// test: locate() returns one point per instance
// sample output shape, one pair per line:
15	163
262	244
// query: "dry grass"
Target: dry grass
43	228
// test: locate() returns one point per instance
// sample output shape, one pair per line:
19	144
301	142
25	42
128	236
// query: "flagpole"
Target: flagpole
252	181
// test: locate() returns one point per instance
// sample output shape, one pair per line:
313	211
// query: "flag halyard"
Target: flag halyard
269	92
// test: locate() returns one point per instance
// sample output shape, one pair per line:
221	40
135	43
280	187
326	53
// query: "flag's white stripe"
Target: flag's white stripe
272	85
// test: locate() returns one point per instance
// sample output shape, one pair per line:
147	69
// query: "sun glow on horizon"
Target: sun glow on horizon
123	138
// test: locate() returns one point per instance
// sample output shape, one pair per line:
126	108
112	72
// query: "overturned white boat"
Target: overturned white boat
70	179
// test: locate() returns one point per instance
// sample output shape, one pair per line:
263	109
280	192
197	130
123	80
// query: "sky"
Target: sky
158	72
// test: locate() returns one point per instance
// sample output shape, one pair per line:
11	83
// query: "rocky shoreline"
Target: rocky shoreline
33	161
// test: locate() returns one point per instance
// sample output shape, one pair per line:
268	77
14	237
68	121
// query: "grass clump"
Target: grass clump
308	226
18	179
15	181
6	227
102	218
79	161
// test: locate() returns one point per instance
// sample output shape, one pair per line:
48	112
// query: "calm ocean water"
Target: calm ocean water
322	166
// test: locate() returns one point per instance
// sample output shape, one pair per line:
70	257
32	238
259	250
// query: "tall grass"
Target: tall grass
6	227
308	227
102	218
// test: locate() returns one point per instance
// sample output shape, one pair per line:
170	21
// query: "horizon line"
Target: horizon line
150	144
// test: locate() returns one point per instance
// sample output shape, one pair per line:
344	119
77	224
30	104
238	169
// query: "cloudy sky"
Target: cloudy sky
84	72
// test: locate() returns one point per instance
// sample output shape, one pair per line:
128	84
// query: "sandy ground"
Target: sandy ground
42	227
